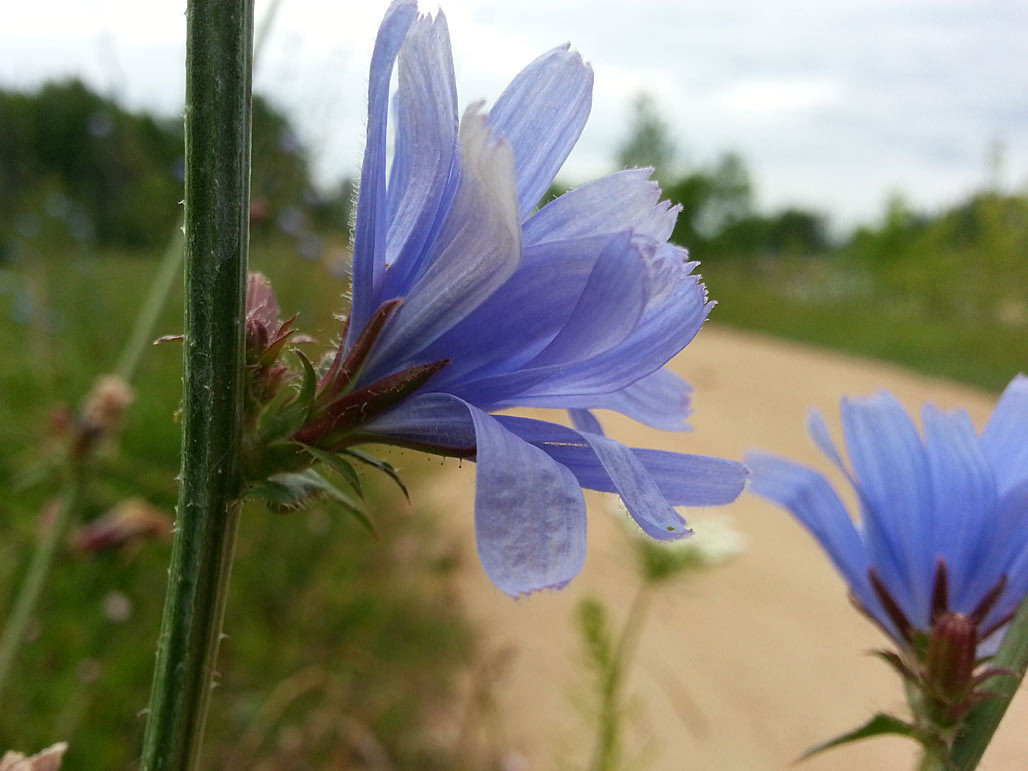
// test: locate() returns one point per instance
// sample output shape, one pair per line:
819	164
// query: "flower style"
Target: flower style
940	557
466	300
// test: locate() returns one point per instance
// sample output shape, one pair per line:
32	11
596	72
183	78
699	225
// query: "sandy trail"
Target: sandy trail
747	664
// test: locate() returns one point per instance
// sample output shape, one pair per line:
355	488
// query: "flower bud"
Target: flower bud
131	521
47	760
102	413
950	659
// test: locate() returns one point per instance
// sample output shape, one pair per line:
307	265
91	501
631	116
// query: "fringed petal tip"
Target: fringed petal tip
523	594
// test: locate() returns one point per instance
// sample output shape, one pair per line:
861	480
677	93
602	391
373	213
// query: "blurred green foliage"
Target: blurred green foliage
341	646
945	293
75	161
342	649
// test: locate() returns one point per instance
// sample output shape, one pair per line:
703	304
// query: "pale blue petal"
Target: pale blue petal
530	520
523	315
890	464
426	160
542	112
675	312
814	503
479	248
584	420
694	480
1003	550
641	495
370	224
425	419
1015	561
1004	436
627	200
683	480
822	437
660	400
608	309
965	495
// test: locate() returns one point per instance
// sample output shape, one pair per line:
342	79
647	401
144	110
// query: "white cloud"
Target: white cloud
832	103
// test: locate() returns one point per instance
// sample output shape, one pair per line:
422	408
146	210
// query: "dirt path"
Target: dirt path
743	666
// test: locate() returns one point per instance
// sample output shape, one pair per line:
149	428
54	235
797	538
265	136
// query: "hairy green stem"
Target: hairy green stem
143	331
605	756
32	585
219	58
982	721
934	761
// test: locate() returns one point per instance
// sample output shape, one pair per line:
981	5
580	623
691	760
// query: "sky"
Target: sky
834	105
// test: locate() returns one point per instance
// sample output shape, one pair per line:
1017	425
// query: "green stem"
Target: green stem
608	732
143	331
32	586
934	761
219	56
982	721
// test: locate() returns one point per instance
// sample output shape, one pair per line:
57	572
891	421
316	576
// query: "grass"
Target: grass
837	306
339	644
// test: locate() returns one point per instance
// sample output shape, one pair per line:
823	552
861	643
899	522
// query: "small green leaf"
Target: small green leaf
898	664
286	493
340	466
879	725
381	465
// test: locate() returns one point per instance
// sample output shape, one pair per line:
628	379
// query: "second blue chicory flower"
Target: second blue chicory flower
939	556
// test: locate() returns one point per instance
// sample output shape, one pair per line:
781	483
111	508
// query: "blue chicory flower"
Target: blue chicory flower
466	300
943	533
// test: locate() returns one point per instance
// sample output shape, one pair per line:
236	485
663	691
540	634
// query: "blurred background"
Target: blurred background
851	175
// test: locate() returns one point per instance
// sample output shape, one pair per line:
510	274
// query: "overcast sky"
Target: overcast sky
834	104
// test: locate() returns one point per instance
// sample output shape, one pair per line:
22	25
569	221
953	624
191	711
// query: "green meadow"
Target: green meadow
343	644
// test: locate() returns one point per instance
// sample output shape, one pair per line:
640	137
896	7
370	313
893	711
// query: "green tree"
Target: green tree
649	141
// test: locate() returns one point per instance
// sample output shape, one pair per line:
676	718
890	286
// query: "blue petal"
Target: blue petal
478	249
426	160
683	480
823	439
370	224
530	520
426	419
607	310
643	499
890	464
814	503
542	112
676	309
1004	437
523	315
660	400
584	420
627	200
675	312
1003	550
965	497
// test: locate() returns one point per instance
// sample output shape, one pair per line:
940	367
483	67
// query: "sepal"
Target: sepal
340	466
330	429
386	468
881	724
298	491
290	413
